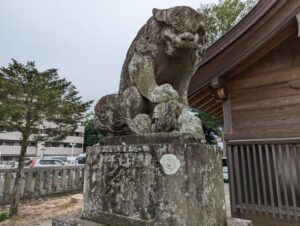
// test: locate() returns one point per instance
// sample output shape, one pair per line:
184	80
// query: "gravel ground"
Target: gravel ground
40	212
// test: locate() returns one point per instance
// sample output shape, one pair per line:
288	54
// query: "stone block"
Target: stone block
170	184
153	138
239	222
73	219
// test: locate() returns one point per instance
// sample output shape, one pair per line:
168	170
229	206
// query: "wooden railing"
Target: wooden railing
264	178
42	181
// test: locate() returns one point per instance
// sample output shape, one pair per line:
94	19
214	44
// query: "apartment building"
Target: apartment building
71	146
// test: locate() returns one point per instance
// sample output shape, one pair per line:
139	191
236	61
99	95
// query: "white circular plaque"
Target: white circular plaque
170	163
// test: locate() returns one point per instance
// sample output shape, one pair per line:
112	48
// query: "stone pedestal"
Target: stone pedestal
167	184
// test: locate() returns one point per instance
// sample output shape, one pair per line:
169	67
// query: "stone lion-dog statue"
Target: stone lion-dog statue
155	77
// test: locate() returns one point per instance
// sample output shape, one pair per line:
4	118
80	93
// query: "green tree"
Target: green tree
91	135
40	105
211	126
222	16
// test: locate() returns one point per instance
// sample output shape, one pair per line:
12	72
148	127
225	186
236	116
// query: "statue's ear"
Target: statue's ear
160	15
202	24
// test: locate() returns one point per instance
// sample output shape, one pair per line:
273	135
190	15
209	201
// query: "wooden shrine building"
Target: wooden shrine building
250	80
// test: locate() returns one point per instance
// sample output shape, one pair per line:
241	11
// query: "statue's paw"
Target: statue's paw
141	124
190	124
164	93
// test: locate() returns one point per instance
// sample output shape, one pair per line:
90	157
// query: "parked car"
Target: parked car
63	158
225	169
81	158
72	160
11	164
27	162
46	162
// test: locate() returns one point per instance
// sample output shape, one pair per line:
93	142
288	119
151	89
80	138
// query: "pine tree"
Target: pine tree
40	105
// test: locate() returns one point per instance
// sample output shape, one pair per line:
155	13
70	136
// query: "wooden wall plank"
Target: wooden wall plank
263	93
267	123
263	104
262	78
270	113
263	133
284	59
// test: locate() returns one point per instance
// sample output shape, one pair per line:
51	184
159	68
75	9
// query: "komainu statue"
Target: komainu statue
155	77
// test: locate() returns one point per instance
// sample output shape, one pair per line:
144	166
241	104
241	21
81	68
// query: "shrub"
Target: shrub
3	216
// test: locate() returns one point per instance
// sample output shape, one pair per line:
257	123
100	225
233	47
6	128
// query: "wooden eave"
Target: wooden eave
266	26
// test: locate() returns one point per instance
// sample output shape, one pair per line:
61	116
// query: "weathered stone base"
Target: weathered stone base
151	138
74	220
238	222
175	184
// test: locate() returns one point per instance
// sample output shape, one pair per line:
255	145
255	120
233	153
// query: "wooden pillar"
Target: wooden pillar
227	116
221	90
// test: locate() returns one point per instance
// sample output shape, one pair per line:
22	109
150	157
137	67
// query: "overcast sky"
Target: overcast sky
86	40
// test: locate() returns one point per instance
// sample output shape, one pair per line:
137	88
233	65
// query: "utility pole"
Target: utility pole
43	149
72	152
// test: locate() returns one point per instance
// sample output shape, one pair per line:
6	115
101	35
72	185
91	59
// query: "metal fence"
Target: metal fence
42	181
264	178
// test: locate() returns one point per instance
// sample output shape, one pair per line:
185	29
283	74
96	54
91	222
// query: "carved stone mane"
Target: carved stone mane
155	77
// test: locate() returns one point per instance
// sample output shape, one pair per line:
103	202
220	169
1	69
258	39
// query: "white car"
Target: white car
46	162
81	158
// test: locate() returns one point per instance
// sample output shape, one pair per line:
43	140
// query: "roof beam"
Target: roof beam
226	55
199	99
